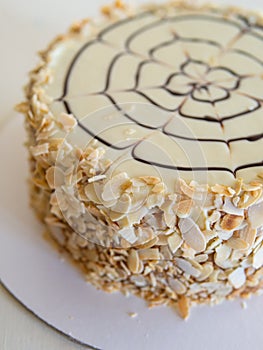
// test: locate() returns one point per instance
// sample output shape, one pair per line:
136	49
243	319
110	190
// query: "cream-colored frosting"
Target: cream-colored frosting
179	89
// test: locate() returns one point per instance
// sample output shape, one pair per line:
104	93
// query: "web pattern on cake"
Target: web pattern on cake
210	75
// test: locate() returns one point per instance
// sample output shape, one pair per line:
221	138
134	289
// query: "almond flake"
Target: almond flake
187	267
149	254
230	208
258	258
177	286
223	252
96	178
231	222
112	188
55	177
237	278
40	149
174	242
192	234
255	215
184	307
150	180
128	234
237	243
183	208
66	121
133	261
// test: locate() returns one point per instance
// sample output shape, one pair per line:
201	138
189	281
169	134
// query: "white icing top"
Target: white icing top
176	93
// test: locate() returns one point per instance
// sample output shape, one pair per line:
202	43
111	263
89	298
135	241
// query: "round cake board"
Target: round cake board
56	292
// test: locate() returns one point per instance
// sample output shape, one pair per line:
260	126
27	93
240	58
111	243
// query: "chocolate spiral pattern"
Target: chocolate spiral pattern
202	68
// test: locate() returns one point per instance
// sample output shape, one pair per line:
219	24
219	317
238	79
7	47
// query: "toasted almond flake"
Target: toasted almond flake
192	234
112	188
66	121
40	149
255	215
174	242
96	178
223	190
132	314
149	254
237	243
237	278
206	271
186	189
128	234
258	258
251	187
177	286
184	307
55	177
187	267
150	180
159	188
133	261
230	208
201	258
238	186
223	252
231	222
214	217
148	244
247	200
183	208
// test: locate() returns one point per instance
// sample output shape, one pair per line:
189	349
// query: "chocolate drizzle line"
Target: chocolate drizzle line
178	109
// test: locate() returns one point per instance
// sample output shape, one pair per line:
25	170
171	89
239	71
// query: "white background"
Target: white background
26	27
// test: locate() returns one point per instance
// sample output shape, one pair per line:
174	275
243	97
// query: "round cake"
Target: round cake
145	135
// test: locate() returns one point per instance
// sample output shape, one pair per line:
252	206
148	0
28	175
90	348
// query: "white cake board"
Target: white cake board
32	270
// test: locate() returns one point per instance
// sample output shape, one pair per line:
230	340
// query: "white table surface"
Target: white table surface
26	27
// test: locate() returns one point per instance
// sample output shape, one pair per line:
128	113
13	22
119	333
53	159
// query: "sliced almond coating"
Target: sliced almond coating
66	121
183	208
237	278
177	286
252	186
223	190
123	204
112	188
187	267
55	177
206	272
192	234
237	243
133	261
174	242
186	189
38	150
223	252
150	180
231	222
255	215
149	254
258	258
230	208
96	178
248	234
249	198
128	234
184	307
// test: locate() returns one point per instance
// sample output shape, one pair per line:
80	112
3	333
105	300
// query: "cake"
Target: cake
145	136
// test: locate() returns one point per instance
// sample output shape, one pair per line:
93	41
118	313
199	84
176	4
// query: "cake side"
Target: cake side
197	244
